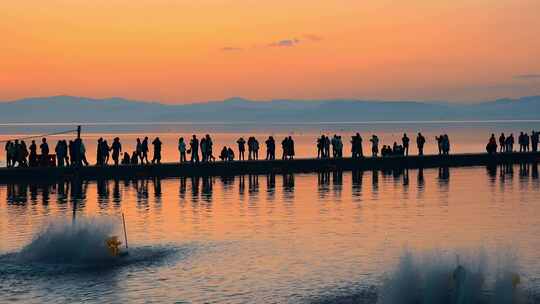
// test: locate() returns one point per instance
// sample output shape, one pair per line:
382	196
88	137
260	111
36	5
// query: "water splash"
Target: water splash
63	242
436	278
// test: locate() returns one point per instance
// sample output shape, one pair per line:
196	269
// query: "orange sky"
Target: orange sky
187	51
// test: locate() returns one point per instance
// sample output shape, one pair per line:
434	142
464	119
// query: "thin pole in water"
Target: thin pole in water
125	233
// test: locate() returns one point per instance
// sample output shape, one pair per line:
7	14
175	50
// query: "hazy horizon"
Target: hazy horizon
243	98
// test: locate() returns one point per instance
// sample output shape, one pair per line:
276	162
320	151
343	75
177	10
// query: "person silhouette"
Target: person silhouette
144	151
374	145
116	148
33	159
224	154
502	143
290	144
420	142
126	159
182	149
138	149
405	142
241	148
270	148
157	151
44	147
194	147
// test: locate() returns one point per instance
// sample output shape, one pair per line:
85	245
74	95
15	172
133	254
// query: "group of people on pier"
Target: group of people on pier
526	143
323	146
73	152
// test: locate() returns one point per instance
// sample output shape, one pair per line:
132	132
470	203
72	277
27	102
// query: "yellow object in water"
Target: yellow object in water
515	280
113	244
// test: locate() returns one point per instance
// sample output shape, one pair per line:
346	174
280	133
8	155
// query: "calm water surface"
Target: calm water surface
265	239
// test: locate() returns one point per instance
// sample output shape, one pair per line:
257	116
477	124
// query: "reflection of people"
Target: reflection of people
458	280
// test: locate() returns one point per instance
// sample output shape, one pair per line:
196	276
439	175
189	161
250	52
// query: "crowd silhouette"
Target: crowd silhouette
73	152
526	142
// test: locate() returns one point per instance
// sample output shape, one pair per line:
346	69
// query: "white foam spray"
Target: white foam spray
437	278
66	242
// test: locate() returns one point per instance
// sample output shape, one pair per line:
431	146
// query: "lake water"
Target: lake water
303	238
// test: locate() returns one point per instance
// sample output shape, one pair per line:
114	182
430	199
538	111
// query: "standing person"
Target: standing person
405	141
325	142
320	147
445	144
255	148
360	147
12	151
59	150
510	143
326	146
144	151
24	154
157	150
202	144
182	149
241	148
99	154
333	142
138	150
194	146
250	147
374	145
535	138
209	148
69	153
502	142
270	148
116	148
33	159
105	152
44	147
420	142
354	146
7	147
82	153
290	144
285	148
439	140
526	142
339	147
16	154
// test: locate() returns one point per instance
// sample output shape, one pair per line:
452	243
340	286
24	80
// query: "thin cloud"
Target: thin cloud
313	37
285	43
231	49
527	76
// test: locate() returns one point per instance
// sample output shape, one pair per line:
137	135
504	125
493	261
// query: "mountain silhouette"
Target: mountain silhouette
69	109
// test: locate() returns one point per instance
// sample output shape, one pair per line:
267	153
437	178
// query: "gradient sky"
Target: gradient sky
188	51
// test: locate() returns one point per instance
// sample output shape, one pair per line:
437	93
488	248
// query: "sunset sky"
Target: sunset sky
190	51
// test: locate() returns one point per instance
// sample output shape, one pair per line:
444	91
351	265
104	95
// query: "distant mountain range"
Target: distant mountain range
68	109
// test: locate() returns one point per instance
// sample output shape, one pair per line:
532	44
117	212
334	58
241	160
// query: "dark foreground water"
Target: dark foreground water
391	237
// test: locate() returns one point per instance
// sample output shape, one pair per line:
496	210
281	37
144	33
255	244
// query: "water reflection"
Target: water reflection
111	194
270	186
